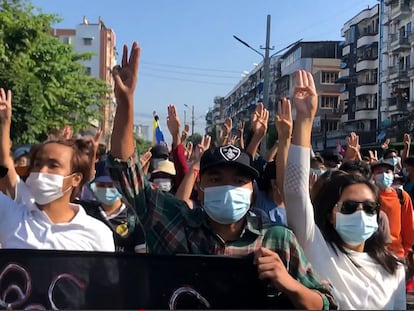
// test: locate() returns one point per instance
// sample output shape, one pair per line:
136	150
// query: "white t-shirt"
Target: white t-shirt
368	286
24	225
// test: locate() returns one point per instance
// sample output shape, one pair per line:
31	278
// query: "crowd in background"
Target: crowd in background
331	229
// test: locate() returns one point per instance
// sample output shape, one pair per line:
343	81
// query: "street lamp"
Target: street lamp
192	118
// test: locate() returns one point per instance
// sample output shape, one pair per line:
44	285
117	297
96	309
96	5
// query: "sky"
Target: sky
189	55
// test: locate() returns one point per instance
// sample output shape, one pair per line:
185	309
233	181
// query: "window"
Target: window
87	41
328	101
329	77
66	40
88	71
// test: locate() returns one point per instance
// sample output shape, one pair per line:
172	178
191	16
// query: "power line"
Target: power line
185	80
190	68
192	74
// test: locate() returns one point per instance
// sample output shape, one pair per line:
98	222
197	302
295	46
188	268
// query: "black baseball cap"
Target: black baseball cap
381	163
228	155
159	151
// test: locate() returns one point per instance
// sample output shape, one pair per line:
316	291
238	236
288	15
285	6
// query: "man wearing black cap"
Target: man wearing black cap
223	224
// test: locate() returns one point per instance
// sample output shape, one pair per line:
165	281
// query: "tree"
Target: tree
195	138
142	145
50	87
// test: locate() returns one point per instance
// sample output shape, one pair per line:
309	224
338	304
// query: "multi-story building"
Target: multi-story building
359	75
142	131
397	75
322	59
100	41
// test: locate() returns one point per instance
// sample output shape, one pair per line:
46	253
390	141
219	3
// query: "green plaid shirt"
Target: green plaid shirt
171	227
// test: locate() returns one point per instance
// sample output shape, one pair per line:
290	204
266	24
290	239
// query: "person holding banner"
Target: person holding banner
223	225
41	216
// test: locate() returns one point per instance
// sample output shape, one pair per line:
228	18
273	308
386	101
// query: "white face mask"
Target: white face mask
46	187
163	184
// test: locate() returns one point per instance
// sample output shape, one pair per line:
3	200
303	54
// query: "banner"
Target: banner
37	279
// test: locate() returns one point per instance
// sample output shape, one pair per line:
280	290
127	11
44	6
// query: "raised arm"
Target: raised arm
284	125
240	133
296	184
259	124
125	76
8	182
186	187
178	152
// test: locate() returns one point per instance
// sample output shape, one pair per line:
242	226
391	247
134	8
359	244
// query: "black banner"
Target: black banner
33	279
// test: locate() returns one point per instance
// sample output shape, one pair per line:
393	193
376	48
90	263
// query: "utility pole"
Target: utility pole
266	82
192	120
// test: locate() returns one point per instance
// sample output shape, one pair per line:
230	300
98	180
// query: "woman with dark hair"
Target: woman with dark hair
339	233
41	216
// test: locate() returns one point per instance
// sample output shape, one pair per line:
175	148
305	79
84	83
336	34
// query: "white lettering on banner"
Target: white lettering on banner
186	290
23	293
62	276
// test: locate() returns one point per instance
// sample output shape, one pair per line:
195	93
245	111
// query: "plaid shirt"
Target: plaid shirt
171	227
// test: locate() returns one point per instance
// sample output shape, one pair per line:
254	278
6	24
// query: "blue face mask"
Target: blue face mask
356	228
226	204
384	180
318	172
106	196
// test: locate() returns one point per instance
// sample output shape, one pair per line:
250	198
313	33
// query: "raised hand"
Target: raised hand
201	148
407	139
5	107
173	122
227	126
67	132
189	150
240	127
184	134
126	74
305	98
260	120
283	119
373	156
385	144
352	151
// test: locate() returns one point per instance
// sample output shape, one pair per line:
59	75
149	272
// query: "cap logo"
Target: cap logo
230	153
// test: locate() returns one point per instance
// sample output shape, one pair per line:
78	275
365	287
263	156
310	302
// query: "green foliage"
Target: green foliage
50	87
142	145
195	138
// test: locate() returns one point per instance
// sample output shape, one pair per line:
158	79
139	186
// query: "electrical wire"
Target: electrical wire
179	79
190	73
190	68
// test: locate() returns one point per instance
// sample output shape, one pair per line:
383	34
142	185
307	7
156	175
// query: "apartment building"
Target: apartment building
397	75
99	40
322	59
359	76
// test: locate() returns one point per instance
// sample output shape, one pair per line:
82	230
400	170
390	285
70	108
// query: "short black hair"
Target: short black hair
357	166
388	152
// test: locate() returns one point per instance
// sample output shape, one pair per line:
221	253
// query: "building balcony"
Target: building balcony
399	10
366	89
399	43
397	104
345	72
369	113
367	39
396	74
346	50
367	64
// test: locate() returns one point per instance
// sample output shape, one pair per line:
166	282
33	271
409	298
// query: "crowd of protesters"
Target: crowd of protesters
328	230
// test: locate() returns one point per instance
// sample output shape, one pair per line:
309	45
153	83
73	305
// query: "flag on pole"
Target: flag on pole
157	135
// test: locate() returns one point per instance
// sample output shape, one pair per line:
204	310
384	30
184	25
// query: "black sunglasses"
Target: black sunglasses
349	207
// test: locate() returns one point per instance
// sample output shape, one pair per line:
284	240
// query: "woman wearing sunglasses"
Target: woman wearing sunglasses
339	233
